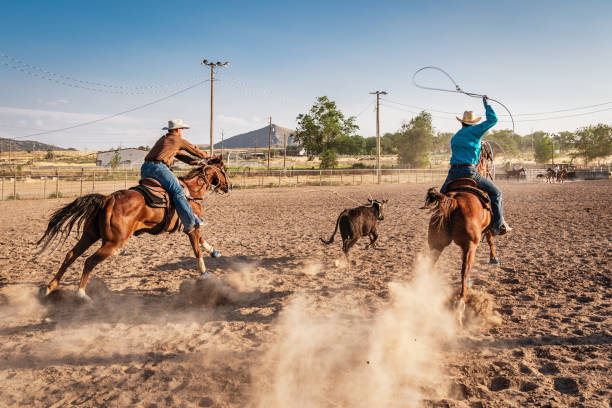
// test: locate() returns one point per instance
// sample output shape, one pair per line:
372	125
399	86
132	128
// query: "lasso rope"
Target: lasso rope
457	90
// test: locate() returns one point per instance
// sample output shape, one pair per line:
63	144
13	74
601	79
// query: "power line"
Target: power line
89	85
503	121
517	114
364	109
115	114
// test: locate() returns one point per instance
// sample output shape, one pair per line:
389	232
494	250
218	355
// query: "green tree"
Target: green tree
370	145
441	142
542	147
328	158
415	141
592	142
318	130
116	160
507	140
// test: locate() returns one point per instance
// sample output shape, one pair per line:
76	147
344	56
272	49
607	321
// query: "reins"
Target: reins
457	90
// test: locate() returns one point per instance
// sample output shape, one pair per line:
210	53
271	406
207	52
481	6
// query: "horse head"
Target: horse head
209	175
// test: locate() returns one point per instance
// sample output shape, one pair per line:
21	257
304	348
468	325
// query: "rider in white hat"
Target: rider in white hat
159	161
465	147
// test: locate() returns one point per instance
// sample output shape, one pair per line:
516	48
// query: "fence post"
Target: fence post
279	178
45	188
82	172
2	185
15	185
93	181
125	178
320	177
57	182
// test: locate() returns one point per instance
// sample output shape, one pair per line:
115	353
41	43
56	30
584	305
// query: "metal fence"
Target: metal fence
58	183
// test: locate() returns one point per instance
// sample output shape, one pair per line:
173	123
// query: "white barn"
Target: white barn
128	158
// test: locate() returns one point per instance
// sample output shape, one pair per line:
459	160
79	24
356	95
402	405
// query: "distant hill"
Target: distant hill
26	145
259	138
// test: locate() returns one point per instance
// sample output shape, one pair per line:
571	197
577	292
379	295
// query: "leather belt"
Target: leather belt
457	166
156	162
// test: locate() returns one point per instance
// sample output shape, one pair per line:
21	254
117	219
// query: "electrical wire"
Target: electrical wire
89	85
113	115
457	89
364	109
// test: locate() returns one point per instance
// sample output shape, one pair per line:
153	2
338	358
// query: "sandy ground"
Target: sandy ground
291	328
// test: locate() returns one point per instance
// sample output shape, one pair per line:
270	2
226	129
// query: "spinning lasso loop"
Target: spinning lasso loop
486	162
457	90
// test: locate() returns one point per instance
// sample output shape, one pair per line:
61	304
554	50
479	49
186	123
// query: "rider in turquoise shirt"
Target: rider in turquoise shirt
465	148
465	145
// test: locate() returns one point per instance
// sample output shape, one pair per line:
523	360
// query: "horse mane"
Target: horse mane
196	171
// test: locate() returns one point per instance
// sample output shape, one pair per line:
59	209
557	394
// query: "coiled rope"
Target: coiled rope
457	89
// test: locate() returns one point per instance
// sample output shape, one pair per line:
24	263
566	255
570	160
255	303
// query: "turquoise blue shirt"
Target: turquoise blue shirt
465	145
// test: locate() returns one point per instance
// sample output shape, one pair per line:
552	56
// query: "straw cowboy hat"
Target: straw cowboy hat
468	117
176	124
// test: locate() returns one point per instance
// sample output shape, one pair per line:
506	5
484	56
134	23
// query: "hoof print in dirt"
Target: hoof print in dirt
566	385
528	386
207	292
499	383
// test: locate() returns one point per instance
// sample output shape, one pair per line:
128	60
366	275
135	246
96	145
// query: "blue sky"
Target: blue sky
533	56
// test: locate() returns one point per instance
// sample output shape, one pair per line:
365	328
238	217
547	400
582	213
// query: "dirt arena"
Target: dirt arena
281	325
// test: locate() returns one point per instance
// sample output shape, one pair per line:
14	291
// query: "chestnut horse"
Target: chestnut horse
115	217
460	217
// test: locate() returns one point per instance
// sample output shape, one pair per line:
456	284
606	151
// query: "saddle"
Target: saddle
156	197
154	194
469	186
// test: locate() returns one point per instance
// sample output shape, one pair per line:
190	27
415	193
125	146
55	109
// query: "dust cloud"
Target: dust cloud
351	357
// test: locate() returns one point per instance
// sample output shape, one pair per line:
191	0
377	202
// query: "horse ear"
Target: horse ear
369	200
221	157
385	201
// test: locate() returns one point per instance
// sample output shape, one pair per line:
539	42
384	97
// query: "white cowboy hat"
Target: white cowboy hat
468	117
176	124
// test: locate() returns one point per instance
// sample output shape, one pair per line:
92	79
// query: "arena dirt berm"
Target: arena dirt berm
288	325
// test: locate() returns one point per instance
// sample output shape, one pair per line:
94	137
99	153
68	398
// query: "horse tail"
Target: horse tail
331	239
441	207
62	221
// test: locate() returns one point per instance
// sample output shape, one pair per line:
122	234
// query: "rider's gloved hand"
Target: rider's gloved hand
485	100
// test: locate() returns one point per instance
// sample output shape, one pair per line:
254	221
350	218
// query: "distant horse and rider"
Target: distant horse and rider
154	207
518	173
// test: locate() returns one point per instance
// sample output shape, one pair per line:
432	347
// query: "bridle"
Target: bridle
202	180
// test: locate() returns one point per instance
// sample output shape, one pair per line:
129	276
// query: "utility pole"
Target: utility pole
284	151
552	151
269	141
222	142
378	93
212	66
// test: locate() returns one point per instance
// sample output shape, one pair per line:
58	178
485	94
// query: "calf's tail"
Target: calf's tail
331	239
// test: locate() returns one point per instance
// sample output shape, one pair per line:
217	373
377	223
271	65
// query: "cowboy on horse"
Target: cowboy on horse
157	166
466	147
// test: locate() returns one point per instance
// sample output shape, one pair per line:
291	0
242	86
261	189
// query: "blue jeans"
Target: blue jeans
170	183
484	184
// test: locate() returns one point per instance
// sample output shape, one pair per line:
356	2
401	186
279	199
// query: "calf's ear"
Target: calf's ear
385	201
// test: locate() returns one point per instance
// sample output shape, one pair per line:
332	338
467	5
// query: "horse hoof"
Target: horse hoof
215	254
204	275
83	297
494	260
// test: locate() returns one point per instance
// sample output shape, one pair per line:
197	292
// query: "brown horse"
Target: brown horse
516	173
459	216
550	175
115	217
561	175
